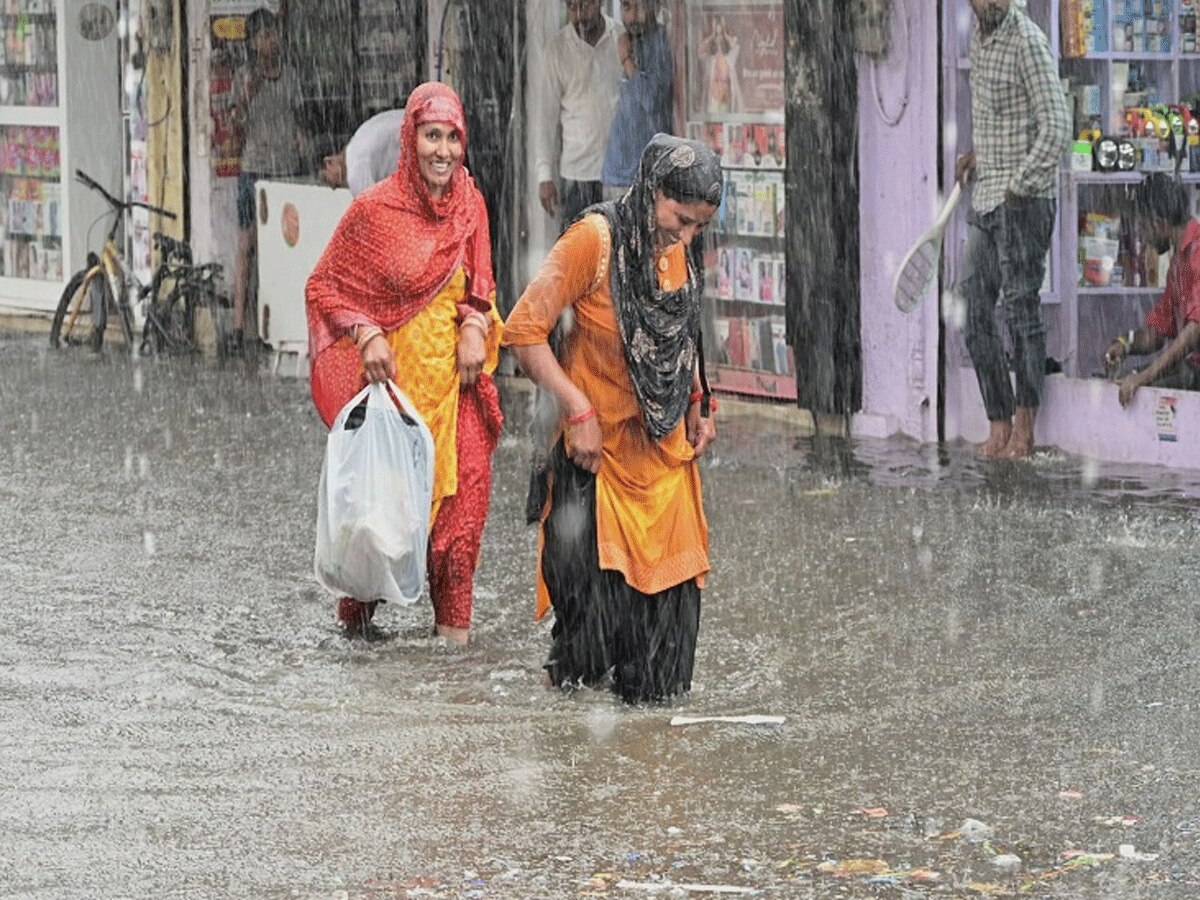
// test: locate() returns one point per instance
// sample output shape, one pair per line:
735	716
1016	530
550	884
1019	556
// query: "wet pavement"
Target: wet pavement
988	674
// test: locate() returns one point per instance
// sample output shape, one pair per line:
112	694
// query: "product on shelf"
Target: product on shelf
1098	248
1084	27
1141	27
758	343
746	284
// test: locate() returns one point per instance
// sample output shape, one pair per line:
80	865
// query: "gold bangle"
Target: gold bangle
369	334
479	320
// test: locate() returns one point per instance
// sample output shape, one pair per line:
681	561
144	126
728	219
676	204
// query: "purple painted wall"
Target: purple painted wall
898	166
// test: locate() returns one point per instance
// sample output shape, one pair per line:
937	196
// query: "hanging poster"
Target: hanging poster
737	55
229	52
1164	418
139	190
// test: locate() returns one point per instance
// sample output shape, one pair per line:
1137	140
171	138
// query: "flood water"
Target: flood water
947	641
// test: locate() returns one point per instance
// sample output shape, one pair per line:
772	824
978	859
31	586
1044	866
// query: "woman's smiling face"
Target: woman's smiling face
439	152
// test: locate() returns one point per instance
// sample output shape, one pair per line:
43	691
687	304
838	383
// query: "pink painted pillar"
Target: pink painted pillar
898	175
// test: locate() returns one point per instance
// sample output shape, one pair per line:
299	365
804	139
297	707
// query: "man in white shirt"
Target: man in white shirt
371	155
582	80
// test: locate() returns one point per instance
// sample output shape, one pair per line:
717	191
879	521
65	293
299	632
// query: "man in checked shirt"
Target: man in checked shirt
1021	127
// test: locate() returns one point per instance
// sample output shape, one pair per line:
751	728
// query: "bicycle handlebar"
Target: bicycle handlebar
116	204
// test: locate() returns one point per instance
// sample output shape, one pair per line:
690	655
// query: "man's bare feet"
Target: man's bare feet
997	439
1020	442
460	636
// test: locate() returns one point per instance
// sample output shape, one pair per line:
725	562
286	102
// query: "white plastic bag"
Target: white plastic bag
374	502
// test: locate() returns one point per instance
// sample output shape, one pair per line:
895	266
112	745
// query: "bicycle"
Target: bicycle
171	317
102	286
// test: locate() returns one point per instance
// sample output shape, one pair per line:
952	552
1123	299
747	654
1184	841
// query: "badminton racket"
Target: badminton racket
919	269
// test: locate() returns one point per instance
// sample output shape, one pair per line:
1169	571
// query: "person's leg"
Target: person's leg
580	639
245	248
655	640
576	197
1024	242
980	287
455	538
355	615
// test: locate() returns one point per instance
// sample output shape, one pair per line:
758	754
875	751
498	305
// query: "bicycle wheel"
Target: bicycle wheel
82	312
166	328
125	320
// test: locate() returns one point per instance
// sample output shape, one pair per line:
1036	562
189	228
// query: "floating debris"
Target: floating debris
753	719
852	868
1125	821
658	887
1007	862
1127	851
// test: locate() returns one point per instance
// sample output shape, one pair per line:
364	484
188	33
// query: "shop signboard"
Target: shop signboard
240	7
738	49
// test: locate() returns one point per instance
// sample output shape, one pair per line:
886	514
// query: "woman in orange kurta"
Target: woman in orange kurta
624	541
404	291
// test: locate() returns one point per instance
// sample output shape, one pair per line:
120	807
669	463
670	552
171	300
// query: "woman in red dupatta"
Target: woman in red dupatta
404	290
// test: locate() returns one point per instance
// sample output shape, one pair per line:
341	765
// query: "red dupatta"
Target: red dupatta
395	248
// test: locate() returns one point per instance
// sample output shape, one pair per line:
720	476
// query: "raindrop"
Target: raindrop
925	558
138	379
167	438
950	134
143	466
1089	472
953	626
33	422
954	310
1096	698
128	468
149	543
918	532
600	723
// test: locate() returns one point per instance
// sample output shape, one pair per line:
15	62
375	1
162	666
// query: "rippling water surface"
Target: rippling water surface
948	640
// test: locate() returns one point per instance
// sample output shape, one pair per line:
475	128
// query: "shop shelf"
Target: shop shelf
1117	290
759	304
753	382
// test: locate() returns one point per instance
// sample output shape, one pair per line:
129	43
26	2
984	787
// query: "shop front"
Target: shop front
60	110
1120	61
917	374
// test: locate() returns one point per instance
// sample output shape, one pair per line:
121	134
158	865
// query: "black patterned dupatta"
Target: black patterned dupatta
660	329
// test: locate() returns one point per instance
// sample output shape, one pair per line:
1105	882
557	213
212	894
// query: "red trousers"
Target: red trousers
455	538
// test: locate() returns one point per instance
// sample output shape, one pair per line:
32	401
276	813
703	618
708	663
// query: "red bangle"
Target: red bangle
582	417
696	396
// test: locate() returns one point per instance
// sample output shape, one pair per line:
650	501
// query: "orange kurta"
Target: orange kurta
650	520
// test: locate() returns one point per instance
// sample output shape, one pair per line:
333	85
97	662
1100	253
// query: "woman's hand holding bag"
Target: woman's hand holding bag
374	499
